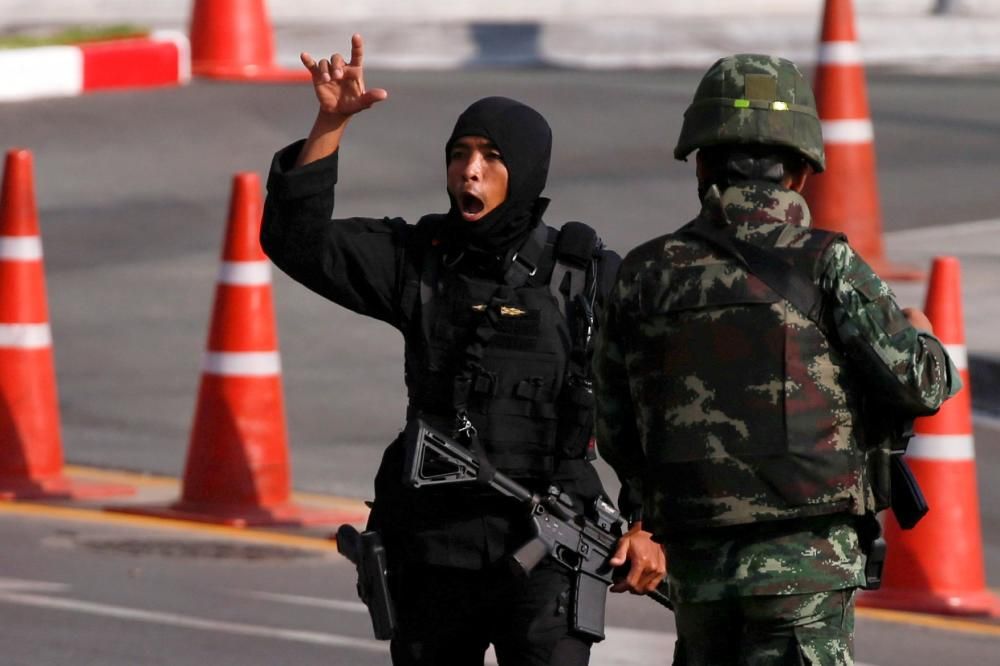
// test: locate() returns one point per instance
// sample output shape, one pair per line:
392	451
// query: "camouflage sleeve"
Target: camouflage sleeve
616	429
908	369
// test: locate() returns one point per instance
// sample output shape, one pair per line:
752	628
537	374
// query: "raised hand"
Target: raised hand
339	85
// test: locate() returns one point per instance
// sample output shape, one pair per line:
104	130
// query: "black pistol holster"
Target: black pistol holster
366	551
874	546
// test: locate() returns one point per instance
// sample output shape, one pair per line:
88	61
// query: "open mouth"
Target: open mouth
470	205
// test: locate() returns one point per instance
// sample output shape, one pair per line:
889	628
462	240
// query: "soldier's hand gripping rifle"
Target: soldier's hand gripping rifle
574	540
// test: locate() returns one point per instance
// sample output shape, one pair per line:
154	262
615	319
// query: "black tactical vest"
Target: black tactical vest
512	354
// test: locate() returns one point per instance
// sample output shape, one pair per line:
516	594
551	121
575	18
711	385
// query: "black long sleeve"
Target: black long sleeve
355	262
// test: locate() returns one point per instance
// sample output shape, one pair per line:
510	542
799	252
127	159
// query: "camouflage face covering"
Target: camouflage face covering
759	203
753	99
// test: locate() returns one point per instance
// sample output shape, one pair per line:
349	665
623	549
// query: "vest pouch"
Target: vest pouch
520	446
517	419
576	419
715	353
515	369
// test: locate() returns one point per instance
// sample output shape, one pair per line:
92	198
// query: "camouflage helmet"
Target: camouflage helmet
753	99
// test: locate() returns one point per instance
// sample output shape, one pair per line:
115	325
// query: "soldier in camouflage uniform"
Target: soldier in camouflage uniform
739	416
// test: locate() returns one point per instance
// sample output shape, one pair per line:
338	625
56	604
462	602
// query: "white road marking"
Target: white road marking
622	647
8	595
625	647
295	599
17	584
632	647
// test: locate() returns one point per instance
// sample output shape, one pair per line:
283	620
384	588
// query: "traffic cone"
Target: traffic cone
844	197
937	567
232	39
31	458
237	470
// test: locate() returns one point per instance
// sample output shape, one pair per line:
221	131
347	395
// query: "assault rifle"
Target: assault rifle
575	541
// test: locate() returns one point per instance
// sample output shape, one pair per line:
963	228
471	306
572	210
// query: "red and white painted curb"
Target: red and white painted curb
163	58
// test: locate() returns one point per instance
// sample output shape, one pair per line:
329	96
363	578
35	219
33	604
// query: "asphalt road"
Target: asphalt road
80	590
132	190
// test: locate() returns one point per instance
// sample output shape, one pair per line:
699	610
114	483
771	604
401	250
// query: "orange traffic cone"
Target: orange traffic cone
31	458
232	39
937	567
845	197
237	470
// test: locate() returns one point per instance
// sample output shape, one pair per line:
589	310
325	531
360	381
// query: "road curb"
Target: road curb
653	42
163	58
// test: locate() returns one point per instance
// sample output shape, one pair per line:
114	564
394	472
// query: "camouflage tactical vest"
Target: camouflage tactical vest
746	406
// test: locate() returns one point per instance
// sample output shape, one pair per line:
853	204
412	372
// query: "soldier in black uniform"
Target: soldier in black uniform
495	308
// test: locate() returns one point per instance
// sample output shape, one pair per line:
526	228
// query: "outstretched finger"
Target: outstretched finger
323	70
373	96
315	68
357	50
337	66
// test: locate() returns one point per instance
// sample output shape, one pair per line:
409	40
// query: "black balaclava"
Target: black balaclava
525	143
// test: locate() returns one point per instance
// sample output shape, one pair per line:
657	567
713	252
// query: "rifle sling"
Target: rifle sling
783	278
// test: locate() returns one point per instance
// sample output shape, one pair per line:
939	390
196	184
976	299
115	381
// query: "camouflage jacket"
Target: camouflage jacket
727	406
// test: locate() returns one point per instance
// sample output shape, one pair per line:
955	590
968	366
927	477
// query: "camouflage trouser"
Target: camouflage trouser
793	630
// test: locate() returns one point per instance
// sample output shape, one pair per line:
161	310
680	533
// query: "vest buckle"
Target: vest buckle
527	265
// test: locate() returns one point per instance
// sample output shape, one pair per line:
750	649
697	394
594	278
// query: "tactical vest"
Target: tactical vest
512	355
763	421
